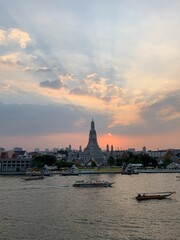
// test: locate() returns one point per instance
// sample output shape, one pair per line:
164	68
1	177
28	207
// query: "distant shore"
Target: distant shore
101	171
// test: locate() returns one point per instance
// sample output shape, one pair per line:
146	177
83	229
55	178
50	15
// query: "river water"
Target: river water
51	209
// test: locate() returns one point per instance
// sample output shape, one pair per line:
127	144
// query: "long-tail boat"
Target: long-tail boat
157	195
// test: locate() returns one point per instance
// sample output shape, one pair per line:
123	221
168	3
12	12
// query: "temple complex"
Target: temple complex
93	151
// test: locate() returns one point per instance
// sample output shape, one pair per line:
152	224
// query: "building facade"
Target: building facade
11	161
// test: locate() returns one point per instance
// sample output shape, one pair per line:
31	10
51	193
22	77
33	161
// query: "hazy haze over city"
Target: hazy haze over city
65	62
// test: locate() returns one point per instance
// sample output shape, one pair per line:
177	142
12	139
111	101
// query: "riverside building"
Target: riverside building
11	161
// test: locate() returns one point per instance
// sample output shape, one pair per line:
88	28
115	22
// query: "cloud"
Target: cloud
10	59
96	86
19	36
161	116
14	35
165	110
56	84
44	69
33	119
79	91
2	36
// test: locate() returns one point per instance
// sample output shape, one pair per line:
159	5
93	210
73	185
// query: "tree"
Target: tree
118	161
93	164
41	160
63	164
148	160
166	161
111	161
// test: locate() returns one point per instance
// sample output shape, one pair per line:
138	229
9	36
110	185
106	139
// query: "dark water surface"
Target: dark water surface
52	209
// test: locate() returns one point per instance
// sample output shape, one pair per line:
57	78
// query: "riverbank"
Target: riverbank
158	171
100	171
13	173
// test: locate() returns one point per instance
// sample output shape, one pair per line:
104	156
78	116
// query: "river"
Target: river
51	209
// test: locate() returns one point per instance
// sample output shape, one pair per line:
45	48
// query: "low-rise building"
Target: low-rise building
11	161
14	165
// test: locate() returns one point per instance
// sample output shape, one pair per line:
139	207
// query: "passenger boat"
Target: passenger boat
73	171
92	184
129	170
149	196
34	178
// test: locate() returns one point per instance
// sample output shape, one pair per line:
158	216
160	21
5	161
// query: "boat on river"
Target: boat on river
97	183
157	195
129	170
73	171
70	172
34	178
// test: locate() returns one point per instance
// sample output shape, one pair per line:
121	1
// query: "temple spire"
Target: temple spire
92	149
92	125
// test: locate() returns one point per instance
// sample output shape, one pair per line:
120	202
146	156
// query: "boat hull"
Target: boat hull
150	198
92	184
34	178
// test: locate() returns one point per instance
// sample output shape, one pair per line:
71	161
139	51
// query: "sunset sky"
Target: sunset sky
64	62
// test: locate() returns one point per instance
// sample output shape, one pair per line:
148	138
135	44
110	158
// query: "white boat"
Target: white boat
129	170
73	171
92	184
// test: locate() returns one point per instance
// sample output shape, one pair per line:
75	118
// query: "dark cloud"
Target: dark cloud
56	84
162	109
48	73
33	120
